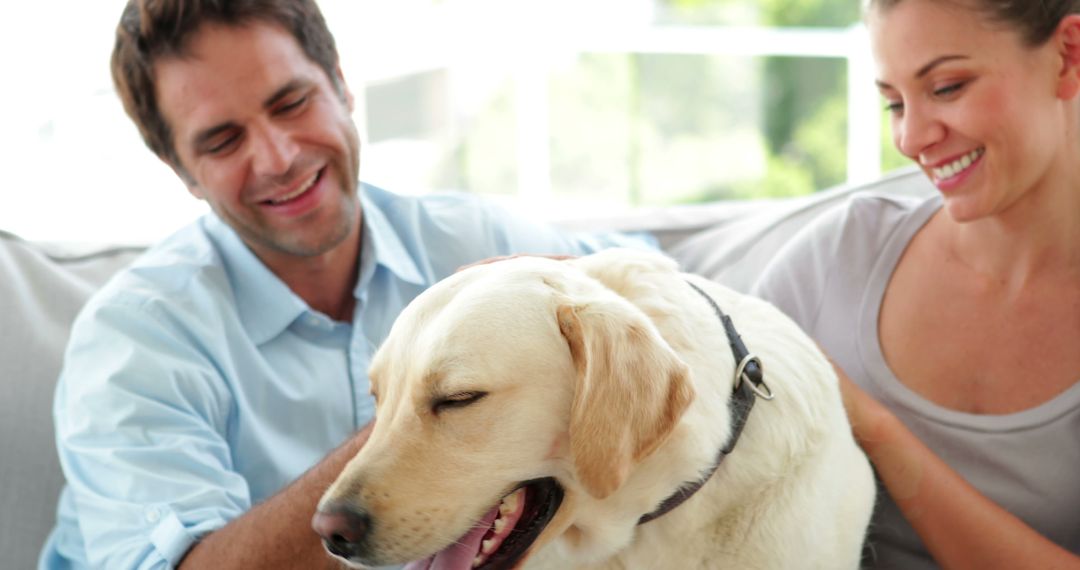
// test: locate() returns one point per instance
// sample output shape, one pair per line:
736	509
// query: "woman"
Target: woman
958	317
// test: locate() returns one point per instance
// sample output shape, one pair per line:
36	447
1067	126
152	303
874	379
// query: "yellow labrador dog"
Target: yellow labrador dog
535	413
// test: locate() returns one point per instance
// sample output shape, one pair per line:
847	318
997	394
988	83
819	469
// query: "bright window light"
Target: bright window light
556	107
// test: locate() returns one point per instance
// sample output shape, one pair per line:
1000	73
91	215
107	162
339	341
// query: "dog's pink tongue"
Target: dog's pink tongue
460	554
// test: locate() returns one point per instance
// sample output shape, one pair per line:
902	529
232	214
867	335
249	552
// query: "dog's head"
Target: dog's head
506	395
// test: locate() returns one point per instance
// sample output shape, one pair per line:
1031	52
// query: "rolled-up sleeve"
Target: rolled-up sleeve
141	420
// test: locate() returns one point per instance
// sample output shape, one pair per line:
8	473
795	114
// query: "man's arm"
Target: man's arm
959	526
277	533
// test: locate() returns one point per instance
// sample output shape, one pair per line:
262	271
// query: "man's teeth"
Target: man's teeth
303	188
957	166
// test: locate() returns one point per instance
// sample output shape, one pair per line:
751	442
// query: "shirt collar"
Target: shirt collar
267	306
382	241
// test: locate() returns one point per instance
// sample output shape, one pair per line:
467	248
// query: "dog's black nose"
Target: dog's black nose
342	528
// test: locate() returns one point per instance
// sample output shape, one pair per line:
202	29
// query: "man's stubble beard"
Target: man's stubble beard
284	241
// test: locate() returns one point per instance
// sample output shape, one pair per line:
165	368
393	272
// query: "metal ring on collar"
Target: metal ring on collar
762	390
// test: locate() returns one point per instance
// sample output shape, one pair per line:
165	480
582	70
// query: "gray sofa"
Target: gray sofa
42	288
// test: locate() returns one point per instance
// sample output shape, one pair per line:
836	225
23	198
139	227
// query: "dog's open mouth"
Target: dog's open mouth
500	539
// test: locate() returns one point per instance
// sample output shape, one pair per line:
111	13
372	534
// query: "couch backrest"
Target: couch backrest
40	293
736	250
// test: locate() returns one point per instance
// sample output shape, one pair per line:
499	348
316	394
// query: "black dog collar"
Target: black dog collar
749	384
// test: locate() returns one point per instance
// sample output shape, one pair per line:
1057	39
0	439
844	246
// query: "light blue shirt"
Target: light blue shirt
197	384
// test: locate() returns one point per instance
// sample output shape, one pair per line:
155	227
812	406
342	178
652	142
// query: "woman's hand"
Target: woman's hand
959	525
867	416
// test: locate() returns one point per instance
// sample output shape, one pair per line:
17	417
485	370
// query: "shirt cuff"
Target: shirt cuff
169	536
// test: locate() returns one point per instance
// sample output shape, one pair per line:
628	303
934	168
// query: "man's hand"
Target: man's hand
277	533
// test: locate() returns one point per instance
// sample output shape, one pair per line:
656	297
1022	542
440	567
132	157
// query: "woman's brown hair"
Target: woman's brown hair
1036	20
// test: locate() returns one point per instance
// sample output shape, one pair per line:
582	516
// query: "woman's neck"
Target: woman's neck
1036	237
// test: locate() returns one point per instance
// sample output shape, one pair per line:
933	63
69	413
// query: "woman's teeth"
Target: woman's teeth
303	188
957	166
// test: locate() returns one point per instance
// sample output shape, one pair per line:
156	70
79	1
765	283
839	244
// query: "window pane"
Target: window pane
640	129
813	13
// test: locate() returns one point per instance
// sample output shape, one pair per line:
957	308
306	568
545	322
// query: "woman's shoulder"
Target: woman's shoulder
843	248
879	215
859	228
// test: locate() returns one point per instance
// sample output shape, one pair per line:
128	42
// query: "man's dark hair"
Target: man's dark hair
150	30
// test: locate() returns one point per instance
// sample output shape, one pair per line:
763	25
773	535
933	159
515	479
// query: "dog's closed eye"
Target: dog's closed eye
457	400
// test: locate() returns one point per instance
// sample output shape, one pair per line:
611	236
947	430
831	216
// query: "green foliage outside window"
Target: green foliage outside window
804	100
656	129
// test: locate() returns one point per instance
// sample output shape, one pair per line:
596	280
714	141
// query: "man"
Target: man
212	391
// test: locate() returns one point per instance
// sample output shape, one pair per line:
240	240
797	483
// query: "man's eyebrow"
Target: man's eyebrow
208	134
925	69
281	93
202	137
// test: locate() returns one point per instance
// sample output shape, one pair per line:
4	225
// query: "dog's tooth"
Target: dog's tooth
500	525
509	504
487	546
477	561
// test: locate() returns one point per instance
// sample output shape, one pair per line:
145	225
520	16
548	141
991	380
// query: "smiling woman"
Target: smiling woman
955	316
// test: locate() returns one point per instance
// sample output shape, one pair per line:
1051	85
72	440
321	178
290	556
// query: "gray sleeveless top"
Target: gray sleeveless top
831	279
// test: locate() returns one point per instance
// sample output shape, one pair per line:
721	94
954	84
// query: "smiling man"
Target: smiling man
213	390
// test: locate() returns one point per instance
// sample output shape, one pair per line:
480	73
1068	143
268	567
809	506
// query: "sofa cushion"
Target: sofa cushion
40	293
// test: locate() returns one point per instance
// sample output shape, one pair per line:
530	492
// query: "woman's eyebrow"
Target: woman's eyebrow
936	62
924	69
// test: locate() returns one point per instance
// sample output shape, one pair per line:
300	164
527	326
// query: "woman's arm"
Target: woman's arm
960	527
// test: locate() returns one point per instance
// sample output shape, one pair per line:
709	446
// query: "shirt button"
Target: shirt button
153	515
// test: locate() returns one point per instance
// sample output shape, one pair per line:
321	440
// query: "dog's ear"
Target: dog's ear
631	391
